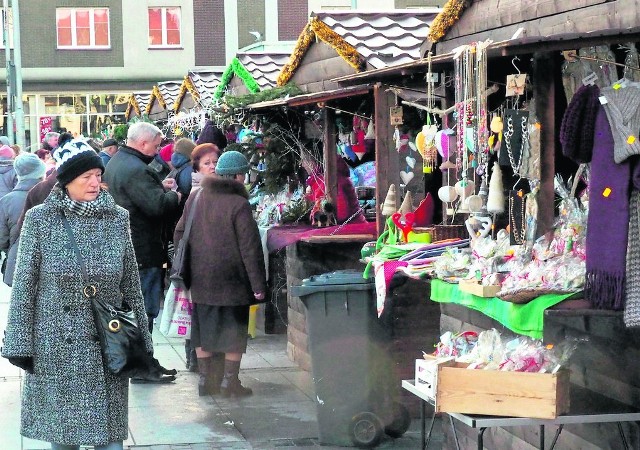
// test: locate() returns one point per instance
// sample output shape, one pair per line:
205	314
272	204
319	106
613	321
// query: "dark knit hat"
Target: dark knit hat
578	124
74	159
212	135
232	163
184	146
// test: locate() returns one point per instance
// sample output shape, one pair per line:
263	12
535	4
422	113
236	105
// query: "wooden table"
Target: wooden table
586	407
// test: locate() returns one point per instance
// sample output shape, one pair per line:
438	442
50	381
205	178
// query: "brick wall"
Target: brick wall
292	17
209	31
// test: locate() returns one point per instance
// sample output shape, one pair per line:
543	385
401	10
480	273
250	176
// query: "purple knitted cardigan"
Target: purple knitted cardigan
608	221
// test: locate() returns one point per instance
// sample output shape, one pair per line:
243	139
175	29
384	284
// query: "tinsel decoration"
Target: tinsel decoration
317	29
186	86
495	199
235	67
155	95
450	14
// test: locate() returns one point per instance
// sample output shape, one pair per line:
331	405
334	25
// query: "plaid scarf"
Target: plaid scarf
86	209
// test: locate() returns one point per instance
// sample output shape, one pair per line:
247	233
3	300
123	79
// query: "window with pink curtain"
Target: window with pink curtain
82	27
164	27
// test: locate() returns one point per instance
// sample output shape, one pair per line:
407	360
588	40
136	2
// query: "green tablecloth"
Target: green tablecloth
525	319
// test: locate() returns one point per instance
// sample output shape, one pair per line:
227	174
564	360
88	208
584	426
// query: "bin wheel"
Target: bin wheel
366	430
401	421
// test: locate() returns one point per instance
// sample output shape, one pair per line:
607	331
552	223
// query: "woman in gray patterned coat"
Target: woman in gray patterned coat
69	398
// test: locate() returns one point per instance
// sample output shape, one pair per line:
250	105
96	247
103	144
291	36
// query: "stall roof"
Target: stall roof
522	45
264	67
323	96
164	94
361	38
201	84
138	102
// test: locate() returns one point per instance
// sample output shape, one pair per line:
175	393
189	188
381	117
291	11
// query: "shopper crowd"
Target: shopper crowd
117	210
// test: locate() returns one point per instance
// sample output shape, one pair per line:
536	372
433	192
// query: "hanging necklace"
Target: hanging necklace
507	143
518	235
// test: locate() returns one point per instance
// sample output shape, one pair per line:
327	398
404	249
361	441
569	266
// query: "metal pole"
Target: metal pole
17	61
354	4
7	52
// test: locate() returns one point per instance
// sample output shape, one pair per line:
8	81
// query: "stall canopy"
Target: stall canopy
339	43
196	91
138	102
163	97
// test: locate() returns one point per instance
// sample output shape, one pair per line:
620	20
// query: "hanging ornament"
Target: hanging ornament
389	206
495	199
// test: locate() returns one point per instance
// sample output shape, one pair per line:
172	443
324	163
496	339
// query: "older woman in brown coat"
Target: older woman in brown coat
227	272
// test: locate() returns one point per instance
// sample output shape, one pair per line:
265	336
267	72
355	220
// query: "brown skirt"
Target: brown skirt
220	328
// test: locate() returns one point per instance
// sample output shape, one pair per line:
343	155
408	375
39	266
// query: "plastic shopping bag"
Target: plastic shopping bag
176	316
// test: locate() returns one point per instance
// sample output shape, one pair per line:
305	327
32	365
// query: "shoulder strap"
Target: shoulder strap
192	211
76	250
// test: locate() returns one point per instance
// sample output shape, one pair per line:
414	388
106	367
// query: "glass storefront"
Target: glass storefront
90	115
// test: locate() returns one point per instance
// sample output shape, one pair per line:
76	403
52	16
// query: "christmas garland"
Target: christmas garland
238	69
133	104
315	28
241	101
446	19
187	85
155	93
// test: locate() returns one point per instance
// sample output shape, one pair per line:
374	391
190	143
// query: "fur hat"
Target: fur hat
232	163
213	135
7	152
184	146
29	167
74	159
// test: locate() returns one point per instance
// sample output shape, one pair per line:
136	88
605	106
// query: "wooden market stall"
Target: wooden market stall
163	97
537	32
137	106
196	91
335	43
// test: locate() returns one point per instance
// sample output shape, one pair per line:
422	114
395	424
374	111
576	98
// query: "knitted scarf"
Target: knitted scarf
632	292
608	221
576	130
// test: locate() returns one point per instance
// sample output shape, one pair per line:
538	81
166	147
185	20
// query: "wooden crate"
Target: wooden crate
498	393
477	289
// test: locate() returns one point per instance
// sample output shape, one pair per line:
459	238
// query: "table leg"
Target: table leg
433	419
423	423
481	438
622	436
455	435
541	437
555	438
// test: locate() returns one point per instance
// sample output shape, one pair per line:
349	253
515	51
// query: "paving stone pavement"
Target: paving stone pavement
280	415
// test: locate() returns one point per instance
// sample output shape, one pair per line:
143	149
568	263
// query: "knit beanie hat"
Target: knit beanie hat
622	108
4	140
232	163
578	123
184	146
212	135
29	166
166	151
7	152
74	159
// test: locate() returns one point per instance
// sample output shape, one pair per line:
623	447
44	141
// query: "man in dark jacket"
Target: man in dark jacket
150	202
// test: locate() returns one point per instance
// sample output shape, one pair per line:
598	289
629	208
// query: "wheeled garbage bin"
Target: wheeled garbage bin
351	366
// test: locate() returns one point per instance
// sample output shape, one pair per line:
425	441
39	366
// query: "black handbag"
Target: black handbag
123	349
180	274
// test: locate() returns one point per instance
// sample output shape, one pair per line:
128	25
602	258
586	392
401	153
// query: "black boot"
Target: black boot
187	353
193	361
204	382
231	386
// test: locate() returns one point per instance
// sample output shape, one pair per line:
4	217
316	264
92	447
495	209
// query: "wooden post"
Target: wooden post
545	67
387	161
329	156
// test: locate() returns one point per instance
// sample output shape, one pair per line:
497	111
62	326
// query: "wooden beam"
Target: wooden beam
545	67
329	155
387	161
